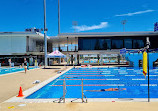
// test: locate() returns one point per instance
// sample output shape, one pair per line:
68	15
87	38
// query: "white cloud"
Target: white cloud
93	27
136	13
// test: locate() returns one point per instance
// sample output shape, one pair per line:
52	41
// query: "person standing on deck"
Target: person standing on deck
9	60
25	64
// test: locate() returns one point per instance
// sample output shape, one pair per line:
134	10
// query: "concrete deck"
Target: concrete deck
90	106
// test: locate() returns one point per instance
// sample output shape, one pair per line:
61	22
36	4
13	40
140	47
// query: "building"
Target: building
20	45
80	48
102	45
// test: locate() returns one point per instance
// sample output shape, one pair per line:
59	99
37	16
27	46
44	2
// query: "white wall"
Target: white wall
11	44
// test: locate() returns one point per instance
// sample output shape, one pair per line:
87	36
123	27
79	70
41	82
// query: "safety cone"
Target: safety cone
20	93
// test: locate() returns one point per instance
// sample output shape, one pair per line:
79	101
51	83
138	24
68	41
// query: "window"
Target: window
128	43
108	43
86	44
105	43
117	44
153	42
137	44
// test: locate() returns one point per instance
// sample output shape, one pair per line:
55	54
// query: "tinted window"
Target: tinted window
137	44
128	43
117	44
87	44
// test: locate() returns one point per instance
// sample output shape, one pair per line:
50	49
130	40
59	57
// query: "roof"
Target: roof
108	34
35	34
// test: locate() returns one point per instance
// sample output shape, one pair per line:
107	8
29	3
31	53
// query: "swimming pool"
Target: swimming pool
101	78
13	69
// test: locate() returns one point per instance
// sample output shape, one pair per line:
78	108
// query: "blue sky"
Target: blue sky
91	15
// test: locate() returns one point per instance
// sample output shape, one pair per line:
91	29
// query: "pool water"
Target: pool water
101	78
13	69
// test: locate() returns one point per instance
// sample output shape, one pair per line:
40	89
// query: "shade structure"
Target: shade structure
56	54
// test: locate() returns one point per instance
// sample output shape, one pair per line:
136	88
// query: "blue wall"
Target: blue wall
135	57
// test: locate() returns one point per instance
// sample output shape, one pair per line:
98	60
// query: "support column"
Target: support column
118	58
71	59
78	59
59	47
75	44
67	45
75	56
71	45
101	59
52	47
59	60
27	44
67	56
98	59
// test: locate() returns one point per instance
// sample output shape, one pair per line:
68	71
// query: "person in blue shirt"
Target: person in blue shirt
27	66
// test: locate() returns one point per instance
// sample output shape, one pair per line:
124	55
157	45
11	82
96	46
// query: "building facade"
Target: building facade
104	48
80	48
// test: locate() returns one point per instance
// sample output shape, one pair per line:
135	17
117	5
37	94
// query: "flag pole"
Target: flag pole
148	43
148	78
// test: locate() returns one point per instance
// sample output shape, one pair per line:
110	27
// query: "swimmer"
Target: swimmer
110	89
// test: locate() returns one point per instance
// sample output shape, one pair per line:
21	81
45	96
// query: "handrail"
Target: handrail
83	96
64	93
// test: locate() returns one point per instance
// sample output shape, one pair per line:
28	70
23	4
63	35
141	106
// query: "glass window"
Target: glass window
137	44
128	43
93	44
117	44
104	43
101	44
153	42
96	44
108	43
80	42
86	44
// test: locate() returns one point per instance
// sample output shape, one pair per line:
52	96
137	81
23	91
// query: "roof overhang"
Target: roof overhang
35	34
107	34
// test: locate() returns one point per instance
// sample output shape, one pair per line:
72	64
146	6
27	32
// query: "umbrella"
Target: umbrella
56	54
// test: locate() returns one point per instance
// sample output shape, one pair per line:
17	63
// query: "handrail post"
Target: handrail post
82	90
64	88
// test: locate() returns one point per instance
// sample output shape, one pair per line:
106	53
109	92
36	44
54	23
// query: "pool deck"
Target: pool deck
10	84
90	106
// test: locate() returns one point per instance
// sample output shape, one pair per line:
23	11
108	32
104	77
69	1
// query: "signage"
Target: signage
156	27
123	51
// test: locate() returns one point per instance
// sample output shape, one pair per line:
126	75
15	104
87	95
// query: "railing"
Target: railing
64	94
83	96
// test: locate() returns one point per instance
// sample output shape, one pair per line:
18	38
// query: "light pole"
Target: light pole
123	22
74	23
45	35
58	16
147	47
